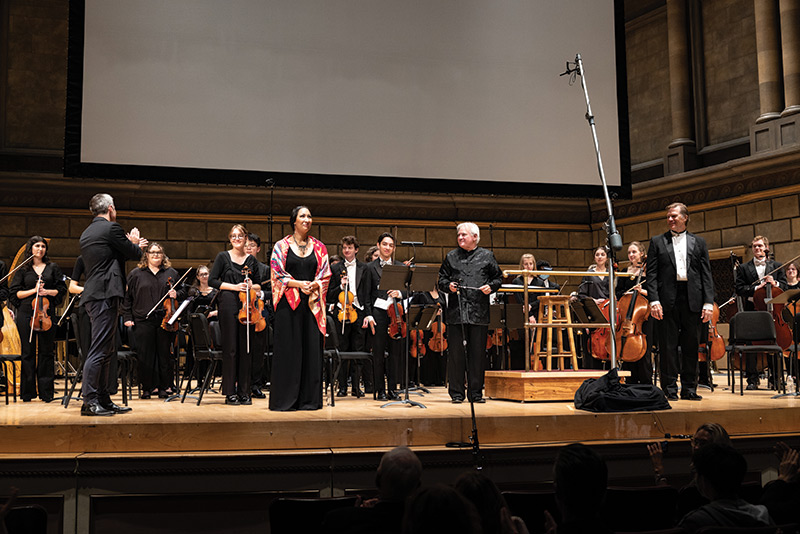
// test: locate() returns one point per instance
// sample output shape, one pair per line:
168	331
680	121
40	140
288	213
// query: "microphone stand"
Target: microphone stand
613	237
477	457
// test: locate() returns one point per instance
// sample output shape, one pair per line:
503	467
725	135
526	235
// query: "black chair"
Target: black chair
26	520
303	515
639	509
753	332
11	384
126	360
333	354
203	350
76	327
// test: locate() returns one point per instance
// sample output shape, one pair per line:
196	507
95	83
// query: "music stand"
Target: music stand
421	318
790	296
407	278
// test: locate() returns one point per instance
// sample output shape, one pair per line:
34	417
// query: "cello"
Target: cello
712	346
633	310
601	337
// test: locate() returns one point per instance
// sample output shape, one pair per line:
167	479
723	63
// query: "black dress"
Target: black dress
297	356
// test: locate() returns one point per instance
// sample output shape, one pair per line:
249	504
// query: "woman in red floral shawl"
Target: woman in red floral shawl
300	276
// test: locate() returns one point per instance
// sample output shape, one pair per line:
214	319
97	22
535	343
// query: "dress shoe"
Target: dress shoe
163	394
480	400
752	387
341	393
245	400
457	400
257	393
144	395
672	397
111	406
381	397
232	400
392	395
357	393
692	396
95	409
47	399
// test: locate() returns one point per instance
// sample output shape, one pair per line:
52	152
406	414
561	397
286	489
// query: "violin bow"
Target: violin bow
15	269
167	293
775	270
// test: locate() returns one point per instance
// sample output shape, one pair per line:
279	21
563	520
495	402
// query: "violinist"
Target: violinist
380	301
372	254
751	277
204	300
227	277
595	287
148	282
39	278
349	294
641	369
300	277
468	275
260	342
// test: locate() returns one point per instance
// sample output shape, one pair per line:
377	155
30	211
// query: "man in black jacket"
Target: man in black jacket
352	275
104	246
469	274
681	294
754	275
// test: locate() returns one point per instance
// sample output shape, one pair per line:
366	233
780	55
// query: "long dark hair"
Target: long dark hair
295	213
29	250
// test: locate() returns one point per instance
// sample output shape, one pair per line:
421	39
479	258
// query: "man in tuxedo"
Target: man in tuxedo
378	321
751	277
104	247
351	275
681	294
468	274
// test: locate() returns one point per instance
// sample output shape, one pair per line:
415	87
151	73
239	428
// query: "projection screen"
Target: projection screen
407	95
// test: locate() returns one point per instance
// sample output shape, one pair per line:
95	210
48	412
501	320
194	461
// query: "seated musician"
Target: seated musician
757	273
594	287
792	281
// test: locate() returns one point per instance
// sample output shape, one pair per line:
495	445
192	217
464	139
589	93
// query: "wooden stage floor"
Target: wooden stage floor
155	426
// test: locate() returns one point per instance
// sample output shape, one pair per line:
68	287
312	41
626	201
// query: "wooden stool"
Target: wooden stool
554	312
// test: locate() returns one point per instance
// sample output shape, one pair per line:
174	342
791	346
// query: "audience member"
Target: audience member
720	470
398	476
440	509
781	496
580	478
489	502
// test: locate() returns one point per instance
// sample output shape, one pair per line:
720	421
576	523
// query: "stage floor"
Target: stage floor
155	426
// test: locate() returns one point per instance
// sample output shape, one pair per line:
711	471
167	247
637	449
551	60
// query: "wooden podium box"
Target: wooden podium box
530	386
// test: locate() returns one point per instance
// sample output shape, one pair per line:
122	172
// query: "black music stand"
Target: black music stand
790	296
407	278
421	318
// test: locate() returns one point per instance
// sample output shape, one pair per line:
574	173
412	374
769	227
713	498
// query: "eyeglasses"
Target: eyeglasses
237	236
155	253
202	274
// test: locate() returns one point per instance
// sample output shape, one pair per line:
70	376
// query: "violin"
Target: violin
347	313
632	311
437	342
252	307
417	344
397	327
170	307
712	346
41	318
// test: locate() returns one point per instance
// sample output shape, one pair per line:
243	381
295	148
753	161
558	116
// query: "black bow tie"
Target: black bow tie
676	234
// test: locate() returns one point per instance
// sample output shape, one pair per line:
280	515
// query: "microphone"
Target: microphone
414	243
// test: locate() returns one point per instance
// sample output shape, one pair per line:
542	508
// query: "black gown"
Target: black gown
297	355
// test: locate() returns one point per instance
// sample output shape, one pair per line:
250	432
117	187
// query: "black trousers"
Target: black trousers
383	364
152	354
38	359
680	327
236	361
466	366
104	315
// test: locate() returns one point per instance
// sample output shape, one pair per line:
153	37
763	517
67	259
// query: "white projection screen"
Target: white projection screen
407	95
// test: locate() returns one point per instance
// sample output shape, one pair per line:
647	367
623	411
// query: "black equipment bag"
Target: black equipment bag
606	394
